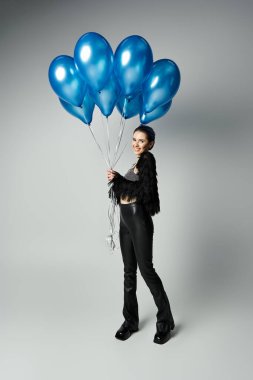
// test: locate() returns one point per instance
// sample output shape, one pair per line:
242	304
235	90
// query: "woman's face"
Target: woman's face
140	142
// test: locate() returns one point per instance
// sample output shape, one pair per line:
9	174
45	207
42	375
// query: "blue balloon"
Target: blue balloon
161	84
73	110
158	112
88	108
84	113
129	107
94	59
106	98
66	81
133	61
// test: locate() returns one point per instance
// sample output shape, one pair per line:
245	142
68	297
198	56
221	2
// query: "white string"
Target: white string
112	209
121	153
122	124
106	145
107	163
108	139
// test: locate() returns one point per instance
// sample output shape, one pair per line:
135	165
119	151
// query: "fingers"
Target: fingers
110	174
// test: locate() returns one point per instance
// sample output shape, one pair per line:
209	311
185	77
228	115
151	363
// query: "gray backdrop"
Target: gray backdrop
62	290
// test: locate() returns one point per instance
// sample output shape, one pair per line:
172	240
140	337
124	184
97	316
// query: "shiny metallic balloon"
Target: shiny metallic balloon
88	107
94	59
84	112
73	110
158	112
129	107
161	84
106	98
133	61
66	81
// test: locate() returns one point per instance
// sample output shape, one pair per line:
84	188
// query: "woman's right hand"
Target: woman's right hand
111	174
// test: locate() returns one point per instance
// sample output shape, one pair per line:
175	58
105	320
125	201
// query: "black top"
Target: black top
145	189
131	175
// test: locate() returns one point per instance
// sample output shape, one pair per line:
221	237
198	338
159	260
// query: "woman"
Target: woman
138	199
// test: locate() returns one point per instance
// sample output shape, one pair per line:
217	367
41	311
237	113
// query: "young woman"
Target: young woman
137	196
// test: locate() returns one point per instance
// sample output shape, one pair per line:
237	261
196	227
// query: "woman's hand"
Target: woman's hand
111	174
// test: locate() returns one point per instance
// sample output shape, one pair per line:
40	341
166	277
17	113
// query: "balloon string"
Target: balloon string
108	165
106	143
122	120
122	130
111	215
113	204
113	201
121	134
116	148
122	124
108	139
121	153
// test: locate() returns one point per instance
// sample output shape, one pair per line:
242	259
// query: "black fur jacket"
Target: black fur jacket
145	189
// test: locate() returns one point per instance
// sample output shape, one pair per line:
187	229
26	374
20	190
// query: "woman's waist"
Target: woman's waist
133	209
127	200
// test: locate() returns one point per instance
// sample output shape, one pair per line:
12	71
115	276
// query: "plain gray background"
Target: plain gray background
62	290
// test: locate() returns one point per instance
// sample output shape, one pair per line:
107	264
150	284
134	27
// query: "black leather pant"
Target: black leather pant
136	242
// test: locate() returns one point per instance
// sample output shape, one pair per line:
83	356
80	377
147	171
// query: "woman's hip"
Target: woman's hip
135	216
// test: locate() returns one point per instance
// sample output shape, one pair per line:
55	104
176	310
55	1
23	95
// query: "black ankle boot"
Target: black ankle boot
125	331
163	330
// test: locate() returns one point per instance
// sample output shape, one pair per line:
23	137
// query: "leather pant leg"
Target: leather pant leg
130	307
136	239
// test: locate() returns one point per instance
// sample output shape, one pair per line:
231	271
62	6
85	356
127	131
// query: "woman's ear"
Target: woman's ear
151	144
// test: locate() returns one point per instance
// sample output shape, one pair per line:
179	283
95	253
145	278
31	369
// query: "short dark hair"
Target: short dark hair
150	133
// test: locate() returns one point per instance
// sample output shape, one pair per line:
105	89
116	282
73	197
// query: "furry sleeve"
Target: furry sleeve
145	189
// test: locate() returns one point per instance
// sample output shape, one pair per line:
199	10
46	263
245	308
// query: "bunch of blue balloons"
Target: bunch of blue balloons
128	79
